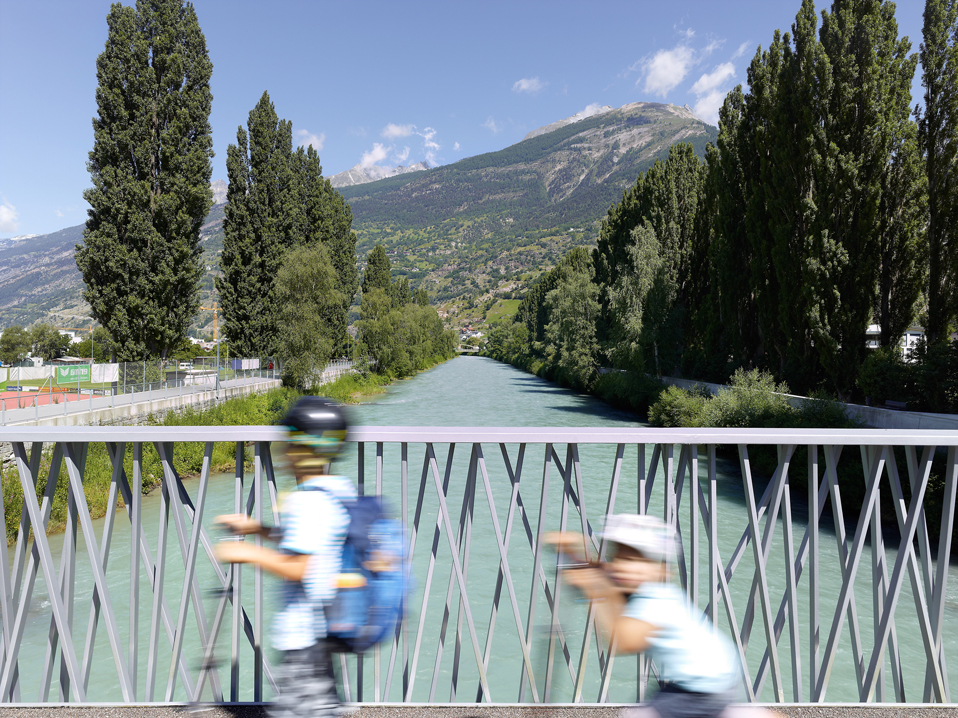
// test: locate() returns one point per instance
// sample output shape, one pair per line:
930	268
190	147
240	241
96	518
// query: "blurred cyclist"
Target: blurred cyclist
308	557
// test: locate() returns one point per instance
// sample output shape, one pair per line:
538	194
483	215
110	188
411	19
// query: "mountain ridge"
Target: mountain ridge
459	229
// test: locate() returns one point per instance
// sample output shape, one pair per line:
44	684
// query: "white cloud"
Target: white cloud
529	84
741	51
392	132
707	107
712	47
376	155
428	142
402	156
308	139
8	217
456	147
594	109
667	68
491	124
59	213
712	80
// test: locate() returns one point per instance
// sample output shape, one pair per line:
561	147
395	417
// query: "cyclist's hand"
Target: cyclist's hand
239	524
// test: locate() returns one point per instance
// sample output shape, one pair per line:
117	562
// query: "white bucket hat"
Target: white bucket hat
646	534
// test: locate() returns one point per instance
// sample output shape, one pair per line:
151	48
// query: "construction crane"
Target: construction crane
216	314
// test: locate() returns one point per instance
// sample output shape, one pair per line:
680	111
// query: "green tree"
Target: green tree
573	307
327	220
262	219
15	344
938	143
99	346
866	119
310	309
903	250
421	297
47	342
150	167
378	271
629	295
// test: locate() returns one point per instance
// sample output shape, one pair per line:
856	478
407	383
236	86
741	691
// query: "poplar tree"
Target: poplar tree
378	271
327	220
866	119
263	218
150	168
938	143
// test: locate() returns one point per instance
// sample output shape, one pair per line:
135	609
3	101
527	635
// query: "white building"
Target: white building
908	342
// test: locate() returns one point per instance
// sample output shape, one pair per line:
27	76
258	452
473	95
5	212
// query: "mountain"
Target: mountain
460	229
478	224
362	175
590	111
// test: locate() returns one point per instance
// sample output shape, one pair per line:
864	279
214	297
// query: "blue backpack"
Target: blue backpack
373	581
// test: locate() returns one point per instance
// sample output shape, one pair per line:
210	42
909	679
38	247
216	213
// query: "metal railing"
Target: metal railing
787	632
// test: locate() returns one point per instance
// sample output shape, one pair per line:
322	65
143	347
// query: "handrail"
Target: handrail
510	435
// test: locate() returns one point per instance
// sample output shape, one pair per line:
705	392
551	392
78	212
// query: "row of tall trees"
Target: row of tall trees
150	166
278	201
827	204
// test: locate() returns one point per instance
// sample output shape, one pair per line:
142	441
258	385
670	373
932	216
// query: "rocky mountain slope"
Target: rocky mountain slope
476	224
459	230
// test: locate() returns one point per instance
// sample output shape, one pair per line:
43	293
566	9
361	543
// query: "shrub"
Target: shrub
885	375
677	407
629	390
752	400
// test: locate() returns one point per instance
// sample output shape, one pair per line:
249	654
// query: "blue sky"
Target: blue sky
375	82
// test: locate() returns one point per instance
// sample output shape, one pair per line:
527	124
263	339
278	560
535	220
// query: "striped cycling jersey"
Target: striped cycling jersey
314	522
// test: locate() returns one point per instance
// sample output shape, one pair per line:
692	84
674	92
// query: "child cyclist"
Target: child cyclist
640	611
308	556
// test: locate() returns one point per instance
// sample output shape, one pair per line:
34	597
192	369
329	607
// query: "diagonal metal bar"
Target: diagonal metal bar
432	555
144	556
760	569
894	590
791	591
944	556
11	593
45	558
105	543
851	569
832	455
466	553
99	575
458	570
504	568
189	572
515	504
450	588
159	574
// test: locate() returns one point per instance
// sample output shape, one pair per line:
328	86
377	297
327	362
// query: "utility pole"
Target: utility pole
216	338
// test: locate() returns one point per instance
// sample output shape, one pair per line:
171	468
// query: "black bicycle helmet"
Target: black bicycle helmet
317	429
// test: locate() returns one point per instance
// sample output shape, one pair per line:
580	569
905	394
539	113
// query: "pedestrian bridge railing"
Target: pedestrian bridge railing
822	599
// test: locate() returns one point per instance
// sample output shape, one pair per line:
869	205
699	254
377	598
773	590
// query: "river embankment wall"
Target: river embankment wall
873	416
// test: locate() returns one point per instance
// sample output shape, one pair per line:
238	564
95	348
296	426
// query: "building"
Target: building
908	341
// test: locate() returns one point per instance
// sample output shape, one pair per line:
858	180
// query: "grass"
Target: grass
502	309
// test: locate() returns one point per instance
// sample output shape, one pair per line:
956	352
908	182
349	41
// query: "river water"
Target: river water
473	391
